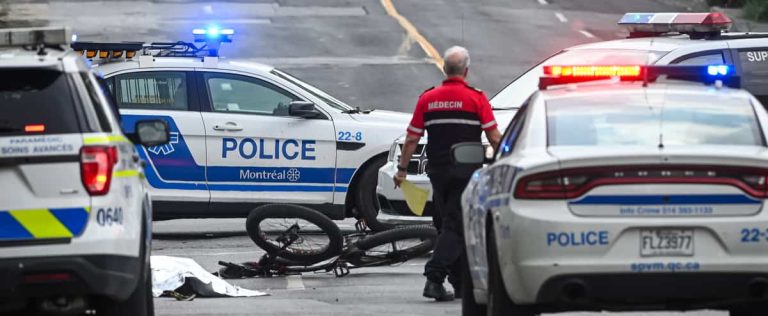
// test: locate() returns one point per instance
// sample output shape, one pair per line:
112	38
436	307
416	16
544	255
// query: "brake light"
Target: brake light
34	128
96	164
592	71
572	183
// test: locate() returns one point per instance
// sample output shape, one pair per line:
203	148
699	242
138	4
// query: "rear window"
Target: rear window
678	122
37	100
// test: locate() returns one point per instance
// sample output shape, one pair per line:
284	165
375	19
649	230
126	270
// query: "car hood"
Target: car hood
398	119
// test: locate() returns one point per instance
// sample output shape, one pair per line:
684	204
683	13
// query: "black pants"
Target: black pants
449	257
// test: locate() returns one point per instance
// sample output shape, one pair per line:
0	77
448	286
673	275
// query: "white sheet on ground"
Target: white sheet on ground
170	273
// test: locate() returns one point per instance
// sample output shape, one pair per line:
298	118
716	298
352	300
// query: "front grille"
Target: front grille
418	162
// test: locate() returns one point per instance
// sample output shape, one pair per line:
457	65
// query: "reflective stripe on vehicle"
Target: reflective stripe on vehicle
43	223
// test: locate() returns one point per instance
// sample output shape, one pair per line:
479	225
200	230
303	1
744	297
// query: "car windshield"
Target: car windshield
36	97
320	94
513	95
680	120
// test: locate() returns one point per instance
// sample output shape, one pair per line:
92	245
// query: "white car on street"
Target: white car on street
622	194
244	134
655	38
75	209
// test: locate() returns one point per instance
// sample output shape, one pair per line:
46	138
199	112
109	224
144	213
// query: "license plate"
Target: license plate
666	242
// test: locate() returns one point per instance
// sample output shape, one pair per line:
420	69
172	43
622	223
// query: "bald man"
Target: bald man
451	113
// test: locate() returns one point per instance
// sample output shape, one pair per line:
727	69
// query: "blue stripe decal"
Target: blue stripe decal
173	162
73	218
666	199
10	228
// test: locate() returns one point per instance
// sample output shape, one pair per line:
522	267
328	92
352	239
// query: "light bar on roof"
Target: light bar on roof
48	36
592	71
709	22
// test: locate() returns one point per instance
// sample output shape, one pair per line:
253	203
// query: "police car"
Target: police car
74	209
622	194
243	134
654	38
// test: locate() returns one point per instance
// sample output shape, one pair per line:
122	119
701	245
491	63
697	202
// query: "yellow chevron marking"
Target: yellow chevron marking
41	223
105	139
125	173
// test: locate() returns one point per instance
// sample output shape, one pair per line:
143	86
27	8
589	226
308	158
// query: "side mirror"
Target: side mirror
303	109
470	153
152	133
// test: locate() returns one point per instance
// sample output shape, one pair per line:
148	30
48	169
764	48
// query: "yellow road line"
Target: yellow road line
414	34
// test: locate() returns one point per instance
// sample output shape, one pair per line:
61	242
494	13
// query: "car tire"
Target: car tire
749	310
469	307
141	302
499	302
365	196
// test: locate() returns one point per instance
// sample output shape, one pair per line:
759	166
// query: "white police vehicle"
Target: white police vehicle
654	38
244	134
622	194
75	211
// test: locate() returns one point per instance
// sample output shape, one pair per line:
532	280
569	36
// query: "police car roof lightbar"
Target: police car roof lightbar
696	25
36	37
213	37
708	74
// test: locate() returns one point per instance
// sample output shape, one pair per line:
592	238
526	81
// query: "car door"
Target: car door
257	152
751	60
175	171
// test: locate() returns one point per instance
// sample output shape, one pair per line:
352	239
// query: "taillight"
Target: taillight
572	183
96	163
549	186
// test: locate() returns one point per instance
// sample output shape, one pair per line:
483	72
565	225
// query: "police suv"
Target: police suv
654	38
75	211
243	134
624	193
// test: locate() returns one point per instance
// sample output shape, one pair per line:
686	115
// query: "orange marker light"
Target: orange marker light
90	54
103	53
34	128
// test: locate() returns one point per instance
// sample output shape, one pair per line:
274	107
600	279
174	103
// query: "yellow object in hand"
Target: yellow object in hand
415	196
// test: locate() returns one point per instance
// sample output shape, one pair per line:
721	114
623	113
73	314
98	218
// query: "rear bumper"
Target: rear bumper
105	275
654	291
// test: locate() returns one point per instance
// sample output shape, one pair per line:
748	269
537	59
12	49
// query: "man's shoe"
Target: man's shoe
437	291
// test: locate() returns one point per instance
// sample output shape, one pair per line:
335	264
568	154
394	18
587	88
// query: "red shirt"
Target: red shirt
451	113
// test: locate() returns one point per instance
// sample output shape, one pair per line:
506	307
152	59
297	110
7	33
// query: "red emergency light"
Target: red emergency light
593	71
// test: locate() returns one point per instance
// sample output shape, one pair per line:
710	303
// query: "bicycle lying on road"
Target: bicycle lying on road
298	239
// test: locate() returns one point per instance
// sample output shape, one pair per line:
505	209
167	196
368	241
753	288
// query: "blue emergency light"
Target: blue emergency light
213	36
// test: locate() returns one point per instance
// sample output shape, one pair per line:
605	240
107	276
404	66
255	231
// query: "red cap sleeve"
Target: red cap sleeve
416	127
485	113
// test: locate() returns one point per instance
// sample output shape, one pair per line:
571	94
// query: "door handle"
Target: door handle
228	126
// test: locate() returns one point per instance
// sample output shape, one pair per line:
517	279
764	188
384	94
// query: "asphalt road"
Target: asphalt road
364	55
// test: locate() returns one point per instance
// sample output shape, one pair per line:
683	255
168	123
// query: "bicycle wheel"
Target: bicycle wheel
294	232
393	246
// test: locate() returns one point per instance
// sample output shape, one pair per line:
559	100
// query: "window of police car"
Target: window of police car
159	90
234	93
678	121
507	145
93	96
37	101
754	72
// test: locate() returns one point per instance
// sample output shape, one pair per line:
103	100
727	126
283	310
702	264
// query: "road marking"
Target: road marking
411	30
543	2
561	17
294	282
587	34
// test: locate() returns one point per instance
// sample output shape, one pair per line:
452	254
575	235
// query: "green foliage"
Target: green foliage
756	10
727	3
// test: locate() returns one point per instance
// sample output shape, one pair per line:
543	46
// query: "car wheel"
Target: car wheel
499	302
469	307
141	302
365	196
